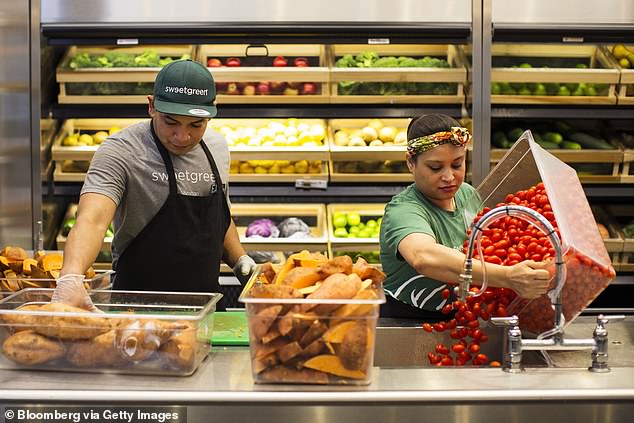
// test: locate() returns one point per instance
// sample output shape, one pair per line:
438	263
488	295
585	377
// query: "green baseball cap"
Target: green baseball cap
185	87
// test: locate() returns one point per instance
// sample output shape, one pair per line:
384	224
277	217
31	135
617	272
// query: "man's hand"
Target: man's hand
70	290
243	268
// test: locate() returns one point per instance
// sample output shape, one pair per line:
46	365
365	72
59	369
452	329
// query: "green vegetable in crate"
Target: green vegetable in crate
628	230
590	142
570	145
514	134
555	137
500	141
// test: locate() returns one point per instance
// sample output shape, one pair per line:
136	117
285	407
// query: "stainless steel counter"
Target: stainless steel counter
222	387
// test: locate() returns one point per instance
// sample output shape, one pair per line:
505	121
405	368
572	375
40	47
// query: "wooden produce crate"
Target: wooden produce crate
70	171
274	139
48	128
60	152
314	215
257	81
614	244
104	255
366	211
628	168
111	85
625	93
354	161
553	77
605	165
422	84
624	214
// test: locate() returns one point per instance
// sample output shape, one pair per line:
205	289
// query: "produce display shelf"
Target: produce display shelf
628	169
625	94
61	174
255	79
71	212
365	210
259	178
314	215
59	151
614	244
599	70
111	85
623	214
456	74
614	158
338	176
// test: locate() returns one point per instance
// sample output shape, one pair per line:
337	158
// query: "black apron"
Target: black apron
180	249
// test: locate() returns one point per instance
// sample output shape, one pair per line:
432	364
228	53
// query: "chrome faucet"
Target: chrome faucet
513	342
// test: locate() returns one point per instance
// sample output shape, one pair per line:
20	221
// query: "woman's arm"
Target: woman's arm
529	279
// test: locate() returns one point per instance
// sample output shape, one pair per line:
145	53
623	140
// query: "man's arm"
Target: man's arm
232	248
94	214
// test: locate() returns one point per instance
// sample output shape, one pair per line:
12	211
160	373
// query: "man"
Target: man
162	183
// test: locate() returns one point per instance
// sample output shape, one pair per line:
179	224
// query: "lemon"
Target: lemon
113	129
85	139
100	137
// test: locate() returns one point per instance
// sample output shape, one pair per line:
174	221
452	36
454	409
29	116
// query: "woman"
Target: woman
424	227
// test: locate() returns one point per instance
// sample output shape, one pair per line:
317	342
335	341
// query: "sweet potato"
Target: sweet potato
14	253
270	336
51	262
288	351
4	263
336	333
27	264
354	348
19	322
314	348
357	310
262	363
314	332
341	264
260	290
83	325
28	347
313	260
97	352
262	350
263	320
367	271
301	277
268	272
181	350
332	364
336	286
295	320
286	374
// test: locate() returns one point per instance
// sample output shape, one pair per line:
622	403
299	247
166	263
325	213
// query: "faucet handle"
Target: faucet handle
604	320
505	321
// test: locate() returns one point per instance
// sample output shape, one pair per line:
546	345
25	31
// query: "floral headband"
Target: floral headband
457	136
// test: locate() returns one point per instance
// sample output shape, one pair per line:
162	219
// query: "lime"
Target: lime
341	233
353	218
339	221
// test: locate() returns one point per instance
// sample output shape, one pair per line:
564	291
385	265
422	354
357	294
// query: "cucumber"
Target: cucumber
588	141
514	134
499	140
555	137
570	145
548	145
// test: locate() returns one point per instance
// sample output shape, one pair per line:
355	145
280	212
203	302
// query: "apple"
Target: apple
232	61
280	61
232	89
214	63
291	91
277	87
301	62
248	89
309	88
264	88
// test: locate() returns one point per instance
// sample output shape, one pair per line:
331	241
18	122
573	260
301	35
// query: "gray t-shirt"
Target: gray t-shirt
128	168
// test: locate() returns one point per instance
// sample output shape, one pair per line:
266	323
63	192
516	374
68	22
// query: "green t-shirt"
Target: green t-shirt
410	212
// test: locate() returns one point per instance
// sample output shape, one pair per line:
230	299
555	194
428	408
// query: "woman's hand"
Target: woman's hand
529	279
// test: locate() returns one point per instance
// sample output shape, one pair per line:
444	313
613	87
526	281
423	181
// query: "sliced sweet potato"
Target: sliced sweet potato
263	363
4	263
354	348
310	289
262	350
271	335
288	351
367	271
301	277
260	290
268	271
332	364
313	349
341	264
14	253
314	260
294	320
290	264
11	281
262	321
27	264
90	273
336	333
314	332
50	262
336	286
357	310
286	374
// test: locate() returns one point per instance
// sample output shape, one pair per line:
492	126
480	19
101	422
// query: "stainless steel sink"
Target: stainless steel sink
403	343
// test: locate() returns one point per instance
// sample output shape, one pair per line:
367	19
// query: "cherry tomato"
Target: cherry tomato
445	293
474	348
427	327
447	309
446	361
439	327
457	348
495	364
433	358
442	349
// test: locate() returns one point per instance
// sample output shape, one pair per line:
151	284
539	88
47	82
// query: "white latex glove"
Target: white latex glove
70	290
243	268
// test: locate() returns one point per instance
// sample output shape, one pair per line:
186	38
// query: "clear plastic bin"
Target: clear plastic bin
329	341
140	332
8	286
588	266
